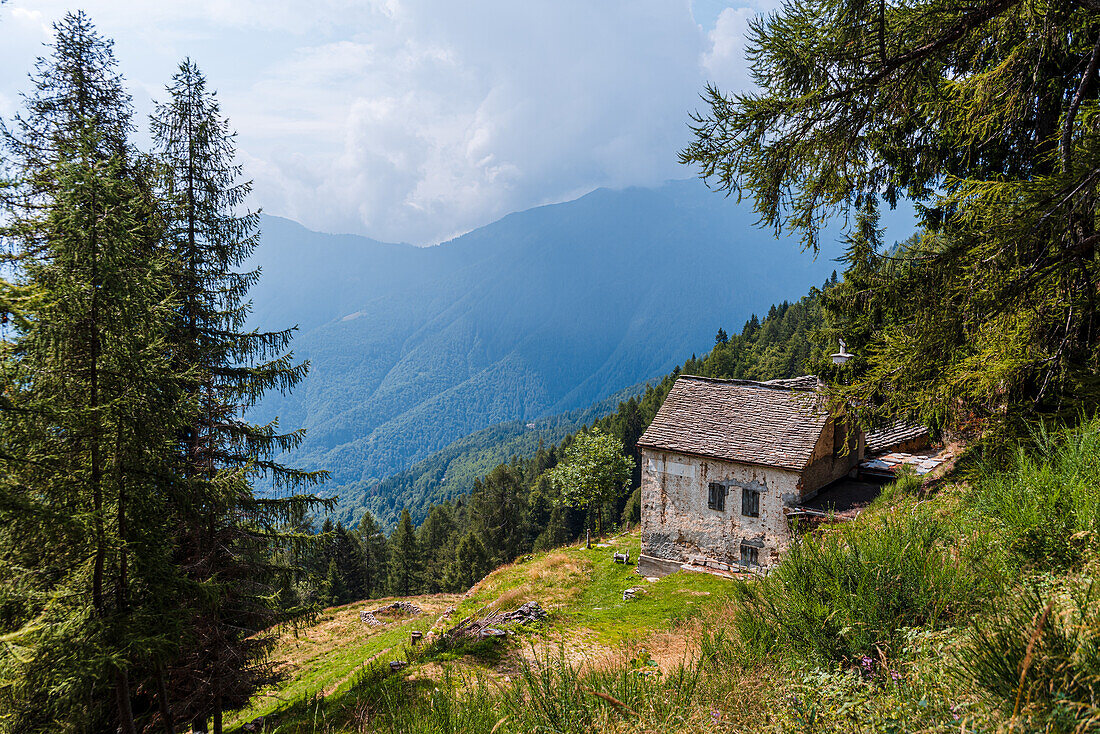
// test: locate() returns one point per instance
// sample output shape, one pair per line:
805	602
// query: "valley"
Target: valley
526	320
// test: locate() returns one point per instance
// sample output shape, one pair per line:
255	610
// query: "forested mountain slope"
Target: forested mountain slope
542	312
451	472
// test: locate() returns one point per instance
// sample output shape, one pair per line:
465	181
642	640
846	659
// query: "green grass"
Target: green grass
657	607
972	608
585	591
329	665
580	588
849	593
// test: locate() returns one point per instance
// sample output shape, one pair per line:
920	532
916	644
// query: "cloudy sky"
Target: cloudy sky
416	120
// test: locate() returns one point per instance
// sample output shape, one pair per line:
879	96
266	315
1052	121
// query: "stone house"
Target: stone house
722	463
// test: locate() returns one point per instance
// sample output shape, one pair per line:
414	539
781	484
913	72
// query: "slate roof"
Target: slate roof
895	435
767	424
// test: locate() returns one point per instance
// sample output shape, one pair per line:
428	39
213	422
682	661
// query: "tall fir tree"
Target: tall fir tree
224	528
470	563
90	405
498	512
350	564
437	542
372	544
406	562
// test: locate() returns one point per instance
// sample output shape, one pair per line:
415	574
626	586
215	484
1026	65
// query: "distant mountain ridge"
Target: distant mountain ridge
540	313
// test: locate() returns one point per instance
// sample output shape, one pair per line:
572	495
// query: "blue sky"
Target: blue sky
410	120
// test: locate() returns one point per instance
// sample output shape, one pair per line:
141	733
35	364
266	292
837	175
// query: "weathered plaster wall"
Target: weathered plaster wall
678	525
827	465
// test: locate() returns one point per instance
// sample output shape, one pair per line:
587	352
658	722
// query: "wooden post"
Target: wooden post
587	538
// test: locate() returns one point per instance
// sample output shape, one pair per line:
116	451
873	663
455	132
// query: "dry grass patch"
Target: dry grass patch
553	580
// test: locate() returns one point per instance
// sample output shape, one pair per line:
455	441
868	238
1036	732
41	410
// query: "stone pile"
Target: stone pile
633	591
402	607
489	624
529	612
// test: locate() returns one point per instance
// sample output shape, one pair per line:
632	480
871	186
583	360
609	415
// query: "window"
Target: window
750	556
750	502
716	497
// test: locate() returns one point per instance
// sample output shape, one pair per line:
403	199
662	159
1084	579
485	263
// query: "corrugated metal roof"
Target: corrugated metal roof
768	424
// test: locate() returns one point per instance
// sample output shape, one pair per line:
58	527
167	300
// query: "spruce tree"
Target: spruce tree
498	512
90	404
406	562
225	530
350	565
437	543
333	587
470	563
372	544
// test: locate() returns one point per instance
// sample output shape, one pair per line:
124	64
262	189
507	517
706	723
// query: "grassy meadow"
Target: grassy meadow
968	607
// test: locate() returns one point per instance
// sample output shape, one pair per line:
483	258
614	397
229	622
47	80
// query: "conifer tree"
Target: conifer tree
555	533
498	512
225	528
90	404
372	543
350	565
470	563
437	542
985	113
333	587
405	559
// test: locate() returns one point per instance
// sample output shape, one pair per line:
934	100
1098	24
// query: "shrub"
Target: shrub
849	592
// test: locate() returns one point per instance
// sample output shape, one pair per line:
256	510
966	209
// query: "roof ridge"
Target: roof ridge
770	384
743	421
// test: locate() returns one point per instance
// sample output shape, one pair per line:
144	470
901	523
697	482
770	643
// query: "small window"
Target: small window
750	502
716	497
750	556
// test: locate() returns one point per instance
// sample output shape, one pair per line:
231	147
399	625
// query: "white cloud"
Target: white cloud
415	120
723	61
30	19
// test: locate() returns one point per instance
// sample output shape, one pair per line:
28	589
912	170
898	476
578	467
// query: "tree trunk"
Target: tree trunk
162	699
122	697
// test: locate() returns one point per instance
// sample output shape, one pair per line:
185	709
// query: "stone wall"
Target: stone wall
678	525
829	464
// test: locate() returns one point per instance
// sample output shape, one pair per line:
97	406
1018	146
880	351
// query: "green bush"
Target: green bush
850	592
